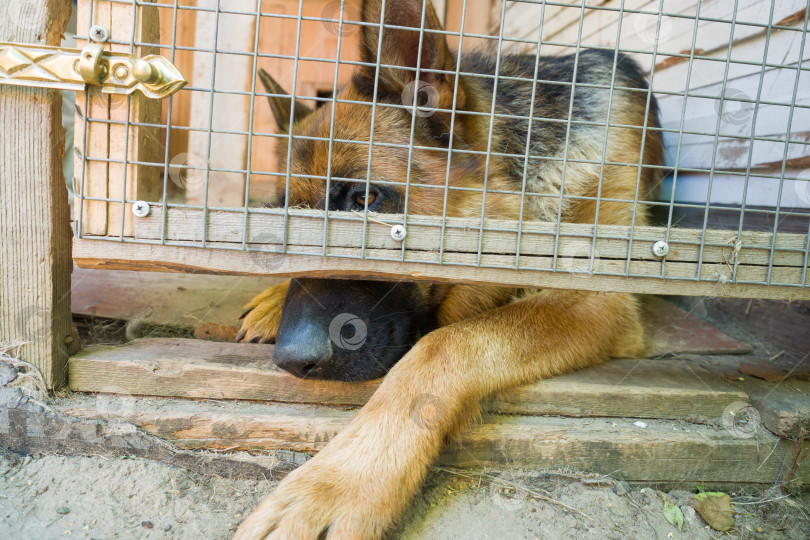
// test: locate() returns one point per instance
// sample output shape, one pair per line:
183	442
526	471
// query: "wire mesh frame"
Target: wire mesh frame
409	220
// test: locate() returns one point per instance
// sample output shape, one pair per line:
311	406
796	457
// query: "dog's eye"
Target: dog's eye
361	200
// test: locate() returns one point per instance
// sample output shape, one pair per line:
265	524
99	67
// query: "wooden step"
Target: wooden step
661	451
665	388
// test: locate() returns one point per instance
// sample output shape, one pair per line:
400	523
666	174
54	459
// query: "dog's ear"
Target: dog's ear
403	48
281	105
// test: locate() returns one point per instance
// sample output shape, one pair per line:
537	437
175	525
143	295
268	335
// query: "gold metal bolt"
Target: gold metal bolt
145	72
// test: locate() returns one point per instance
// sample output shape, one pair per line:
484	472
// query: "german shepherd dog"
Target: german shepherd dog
459	343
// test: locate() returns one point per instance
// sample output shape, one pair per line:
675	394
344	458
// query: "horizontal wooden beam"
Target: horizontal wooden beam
308	230
664	388
680	280
27	427
568	255
659	452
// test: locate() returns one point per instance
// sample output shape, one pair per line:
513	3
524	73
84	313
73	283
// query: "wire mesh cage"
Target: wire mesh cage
616	145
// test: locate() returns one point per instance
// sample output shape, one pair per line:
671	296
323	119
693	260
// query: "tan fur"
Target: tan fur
490	338
263	314
363	480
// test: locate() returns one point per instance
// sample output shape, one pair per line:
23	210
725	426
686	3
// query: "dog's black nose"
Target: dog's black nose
305	349
343	330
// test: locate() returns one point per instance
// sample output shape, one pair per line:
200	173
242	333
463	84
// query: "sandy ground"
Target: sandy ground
94	497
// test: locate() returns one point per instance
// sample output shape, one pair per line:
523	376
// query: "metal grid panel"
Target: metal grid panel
264	221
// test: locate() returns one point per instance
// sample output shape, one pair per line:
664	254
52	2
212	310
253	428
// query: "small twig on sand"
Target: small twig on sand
530	492
798	457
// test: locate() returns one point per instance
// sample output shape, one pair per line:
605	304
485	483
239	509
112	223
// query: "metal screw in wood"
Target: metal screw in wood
398	233
660	248
141	208
99	34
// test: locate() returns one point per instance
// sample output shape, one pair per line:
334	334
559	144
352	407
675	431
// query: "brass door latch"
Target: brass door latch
43	66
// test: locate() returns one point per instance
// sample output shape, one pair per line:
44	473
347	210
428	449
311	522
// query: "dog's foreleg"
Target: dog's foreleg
363	480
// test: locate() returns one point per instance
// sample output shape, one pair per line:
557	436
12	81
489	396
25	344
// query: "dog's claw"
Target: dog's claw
240	335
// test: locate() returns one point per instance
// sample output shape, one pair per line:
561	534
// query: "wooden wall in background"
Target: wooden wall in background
480	18
316	40
234	72
713	39
109	144
277	35
178	32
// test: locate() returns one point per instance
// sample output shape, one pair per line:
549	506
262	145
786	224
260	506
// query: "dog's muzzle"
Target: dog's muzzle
347	330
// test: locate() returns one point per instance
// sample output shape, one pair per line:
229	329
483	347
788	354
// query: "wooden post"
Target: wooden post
35	251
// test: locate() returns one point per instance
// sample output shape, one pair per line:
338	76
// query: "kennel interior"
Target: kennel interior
731	211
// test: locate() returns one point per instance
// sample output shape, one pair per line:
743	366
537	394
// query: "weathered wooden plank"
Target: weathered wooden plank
34	221
202	369
572	272
110	149
664	388
92	136
29	428
660	452
305	228
269	258
167	299
783	407
128	181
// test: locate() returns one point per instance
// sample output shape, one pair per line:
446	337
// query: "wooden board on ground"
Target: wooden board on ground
662	388
27	427
659	452
783	406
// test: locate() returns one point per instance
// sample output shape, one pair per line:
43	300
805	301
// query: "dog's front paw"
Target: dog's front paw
263	314
333	493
